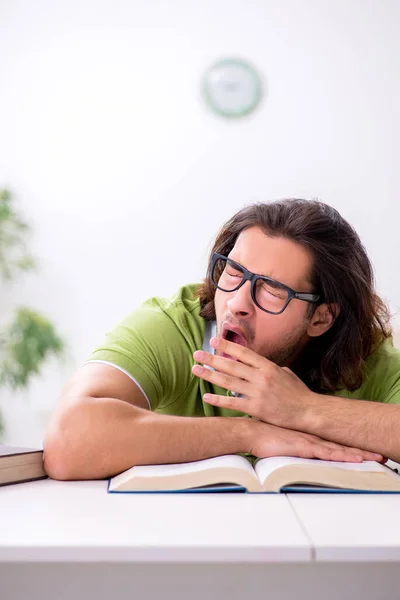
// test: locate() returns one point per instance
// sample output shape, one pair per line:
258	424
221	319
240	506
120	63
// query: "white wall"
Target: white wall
126	176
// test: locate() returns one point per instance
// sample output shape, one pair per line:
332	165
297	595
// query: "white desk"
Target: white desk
68	521
351	527
73	540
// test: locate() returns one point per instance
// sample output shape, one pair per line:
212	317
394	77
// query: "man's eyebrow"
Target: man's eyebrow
262	274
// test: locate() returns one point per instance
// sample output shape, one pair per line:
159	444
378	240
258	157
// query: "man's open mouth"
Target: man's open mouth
232	335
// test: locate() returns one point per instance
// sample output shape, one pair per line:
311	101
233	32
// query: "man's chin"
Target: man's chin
283	357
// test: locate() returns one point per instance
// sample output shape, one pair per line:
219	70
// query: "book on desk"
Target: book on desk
234	473
18	465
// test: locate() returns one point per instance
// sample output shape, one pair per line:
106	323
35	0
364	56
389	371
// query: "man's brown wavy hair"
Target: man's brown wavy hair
342	274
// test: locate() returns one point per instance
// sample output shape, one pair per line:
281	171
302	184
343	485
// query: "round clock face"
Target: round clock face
232	87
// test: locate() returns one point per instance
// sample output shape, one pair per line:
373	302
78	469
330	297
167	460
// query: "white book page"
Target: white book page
266	466
226	461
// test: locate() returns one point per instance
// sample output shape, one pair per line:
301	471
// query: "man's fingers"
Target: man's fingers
232	402
365	454
332	451
228	382
245	355
224	365
337	454
369	455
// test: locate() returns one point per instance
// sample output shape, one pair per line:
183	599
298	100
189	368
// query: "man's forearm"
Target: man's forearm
360	423
99	437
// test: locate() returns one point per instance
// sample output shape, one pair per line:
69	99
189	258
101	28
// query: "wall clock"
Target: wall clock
232	87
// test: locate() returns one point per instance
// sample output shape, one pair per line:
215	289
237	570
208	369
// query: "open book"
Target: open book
275	474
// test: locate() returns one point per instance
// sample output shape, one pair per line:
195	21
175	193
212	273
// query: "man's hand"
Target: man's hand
272	394
269	440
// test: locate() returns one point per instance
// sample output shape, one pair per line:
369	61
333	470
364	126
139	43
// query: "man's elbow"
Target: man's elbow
56	462
61	447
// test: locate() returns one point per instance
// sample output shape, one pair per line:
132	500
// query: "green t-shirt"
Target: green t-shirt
154	346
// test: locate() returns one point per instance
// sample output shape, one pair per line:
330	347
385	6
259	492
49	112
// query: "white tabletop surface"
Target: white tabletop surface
80	522
351	527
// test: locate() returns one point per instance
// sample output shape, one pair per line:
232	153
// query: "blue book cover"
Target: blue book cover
235	489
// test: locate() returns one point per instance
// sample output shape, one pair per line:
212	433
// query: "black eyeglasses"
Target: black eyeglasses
268	294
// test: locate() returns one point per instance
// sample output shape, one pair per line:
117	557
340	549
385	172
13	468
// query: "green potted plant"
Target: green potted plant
28	338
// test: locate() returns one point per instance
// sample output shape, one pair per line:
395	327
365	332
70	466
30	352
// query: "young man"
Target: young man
286	328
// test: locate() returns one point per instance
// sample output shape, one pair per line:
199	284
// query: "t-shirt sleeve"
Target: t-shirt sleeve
149	346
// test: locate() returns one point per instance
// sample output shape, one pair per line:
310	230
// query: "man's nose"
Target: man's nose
240	301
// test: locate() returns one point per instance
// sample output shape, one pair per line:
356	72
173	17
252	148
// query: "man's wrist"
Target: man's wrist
302	415
309	416
244	433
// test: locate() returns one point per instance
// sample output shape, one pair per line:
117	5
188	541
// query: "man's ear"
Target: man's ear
323	318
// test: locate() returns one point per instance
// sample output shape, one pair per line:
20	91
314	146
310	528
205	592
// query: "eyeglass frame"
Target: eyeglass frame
253	277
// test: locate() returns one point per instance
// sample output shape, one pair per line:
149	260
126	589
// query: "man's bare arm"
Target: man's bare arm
102	428
371	425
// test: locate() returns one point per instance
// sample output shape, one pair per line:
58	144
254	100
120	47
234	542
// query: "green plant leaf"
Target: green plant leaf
14	256
24	345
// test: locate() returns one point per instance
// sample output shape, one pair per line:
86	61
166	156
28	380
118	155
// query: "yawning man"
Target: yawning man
284	349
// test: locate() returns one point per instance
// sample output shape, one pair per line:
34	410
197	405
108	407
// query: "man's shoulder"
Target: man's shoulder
184	300
386	354
178	315
382	374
